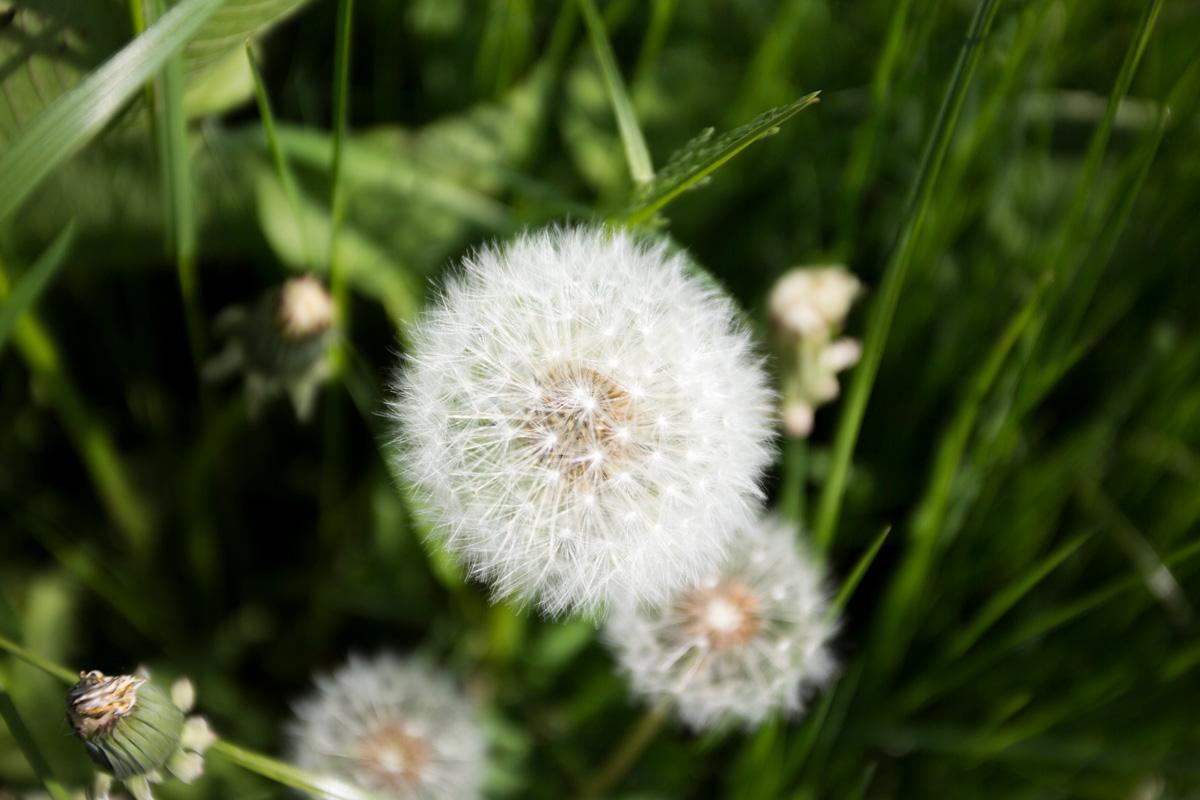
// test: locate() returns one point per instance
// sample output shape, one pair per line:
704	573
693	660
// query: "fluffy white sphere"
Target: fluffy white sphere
390	728
584	417
749	639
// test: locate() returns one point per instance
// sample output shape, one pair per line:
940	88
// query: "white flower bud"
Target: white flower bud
811	301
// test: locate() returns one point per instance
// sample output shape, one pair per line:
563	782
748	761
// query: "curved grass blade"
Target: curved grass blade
26	293
884	308
703	155
77	116
28	747
1009	597
636	152
856	574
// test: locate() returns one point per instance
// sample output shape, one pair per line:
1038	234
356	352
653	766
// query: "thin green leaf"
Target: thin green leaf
1002	602
636	152
703	155
856	574
26	293
77	116
171	127
884	308
28	747
287	775
34	660
282	169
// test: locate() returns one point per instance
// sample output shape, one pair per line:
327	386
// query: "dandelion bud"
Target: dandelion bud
750	639
281	344
809	301
129	726
134	729
798	419
392	728
584	417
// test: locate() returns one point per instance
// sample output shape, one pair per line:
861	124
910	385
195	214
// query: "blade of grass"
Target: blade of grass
862	151
860	570
793	481
1000	604
175	166
278	156
70	122
26	293
337	199
884	308
28	747
636	152
126	507
34	660
702	156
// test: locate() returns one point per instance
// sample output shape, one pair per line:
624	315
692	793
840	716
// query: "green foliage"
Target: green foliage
1011	522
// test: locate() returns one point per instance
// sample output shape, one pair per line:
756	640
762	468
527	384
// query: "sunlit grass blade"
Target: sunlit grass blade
850	584
26	293
703	155
1004	600
34	660
884	308
337	199
28	747
278	156
72	120
175	165
636	152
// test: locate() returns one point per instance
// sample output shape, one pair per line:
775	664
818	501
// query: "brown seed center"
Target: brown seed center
580	424
725	615
393	757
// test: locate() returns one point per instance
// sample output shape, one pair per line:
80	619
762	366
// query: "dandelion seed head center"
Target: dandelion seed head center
392	756
98	701
580	424
724	615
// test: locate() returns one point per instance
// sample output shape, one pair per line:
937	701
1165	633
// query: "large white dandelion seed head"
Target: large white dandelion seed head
585	419
391	728
749	639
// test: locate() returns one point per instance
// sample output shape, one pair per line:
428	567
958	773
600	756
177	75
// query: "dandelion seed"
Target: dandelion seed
582	380
748	640
391	727
134	730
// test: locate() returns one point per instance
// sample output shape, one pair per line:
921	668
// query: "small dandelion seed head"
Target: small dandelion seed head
392	727
748	640
583	380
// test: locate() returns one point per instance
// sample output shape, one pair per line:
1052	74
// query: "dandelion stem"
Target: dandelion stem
34	660
793	485
627	753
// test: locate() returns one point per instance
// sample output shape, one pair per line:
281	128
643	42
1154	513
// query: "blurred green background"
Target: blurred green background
1027	629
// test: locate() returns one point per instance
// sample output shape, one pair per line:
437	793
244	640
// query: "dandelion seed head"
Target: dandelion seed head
391	727
583	382
747	640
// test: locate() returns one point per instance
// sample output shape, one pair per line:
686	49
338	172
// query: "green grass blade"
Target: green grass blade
703	155
287	775
26	293
72	120
905	590
636	152
999	605
884	308
337	200
278	156
125	505
171	127
28	747
859	571
34	660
